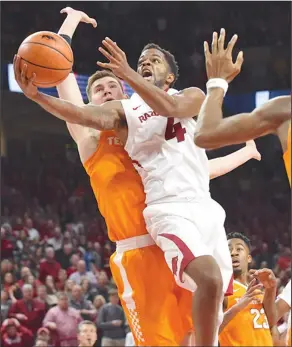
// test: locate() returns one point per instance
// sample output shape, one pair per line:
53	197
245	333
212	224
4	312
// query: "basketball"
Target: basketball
47	55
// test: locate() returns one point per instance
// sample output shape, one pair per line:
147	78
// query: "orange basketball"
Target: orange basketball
47	55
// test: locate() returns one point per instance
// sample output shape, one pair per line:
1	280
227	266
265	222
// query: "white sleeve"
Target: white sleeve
286	294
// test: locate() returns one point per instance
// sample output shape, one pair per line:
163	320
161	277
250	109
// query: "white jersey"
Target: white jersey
286	296
162	149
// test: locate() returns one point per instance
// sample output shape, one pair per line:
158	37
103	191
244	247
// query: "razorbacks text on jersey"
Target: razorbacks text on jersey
171	166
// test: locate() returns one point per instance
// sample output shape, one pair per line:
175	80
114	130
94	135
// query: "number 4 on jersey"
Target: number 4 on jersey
174	130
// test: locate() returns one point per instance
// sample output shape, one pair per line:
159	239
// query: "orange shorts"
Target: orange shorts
157	310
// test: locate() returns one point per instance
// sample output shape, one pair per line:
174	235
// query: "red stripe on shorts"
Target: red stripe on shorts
186	252
229	290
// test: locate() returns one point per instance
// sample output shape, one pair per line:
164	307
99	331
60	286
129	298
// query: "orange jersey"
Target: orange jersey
117	188
250	326
287	155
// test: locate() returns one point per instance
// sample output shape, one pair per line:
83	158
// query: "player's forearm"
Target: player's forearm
96	117
221	166
228	316
70	24
270	306
161	102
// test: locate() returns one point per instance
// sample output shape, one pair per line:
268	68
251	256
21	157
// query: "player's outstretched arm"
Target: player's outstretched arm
183	105
109	116
221	166
212	130
68	89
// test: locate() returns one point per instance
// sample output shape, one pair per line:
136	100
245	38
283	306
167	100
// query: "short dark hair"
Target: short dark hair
97	76
237	235
169	57
85	322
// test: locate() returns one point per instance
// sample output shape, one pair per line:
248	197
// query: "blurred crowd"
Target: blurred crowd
179	28
55	249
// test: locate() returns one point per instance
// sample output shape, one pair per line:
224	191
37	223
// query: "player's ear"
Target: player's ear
170	78
249	259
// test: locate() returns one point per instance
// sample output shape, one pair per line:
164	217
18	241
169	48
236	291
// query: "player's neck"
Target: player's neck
242	278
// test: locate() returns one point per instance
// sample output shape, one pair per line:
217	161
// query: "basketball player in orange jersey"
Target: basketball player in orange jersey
273	117
275	308
121	200
245	322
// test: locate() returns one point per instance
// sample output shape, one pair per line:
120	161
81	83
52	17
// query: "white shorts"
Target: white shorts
187	230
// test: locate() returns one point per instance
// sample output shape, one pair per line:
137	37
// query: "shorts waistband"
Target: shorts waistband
134	243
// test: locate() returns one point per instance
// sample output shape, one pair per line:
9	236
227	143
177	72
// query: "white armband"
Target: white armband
217	83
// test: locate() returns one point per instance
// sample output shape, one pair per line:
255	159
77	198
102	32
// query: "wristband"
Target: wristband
217	83
67	38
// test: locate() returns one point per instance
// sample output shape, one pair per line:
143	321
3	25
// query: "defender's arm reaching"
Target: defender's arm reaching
108	116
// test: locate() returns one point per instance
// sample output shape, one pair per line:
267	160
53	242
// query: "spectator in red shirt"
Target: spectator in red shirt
24	274
74	261
284	260
49	266
29	311
62	278
6	245
15	335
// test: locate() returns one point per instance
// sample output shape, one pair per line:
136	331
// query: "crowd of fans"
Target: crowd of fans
182	29
55	249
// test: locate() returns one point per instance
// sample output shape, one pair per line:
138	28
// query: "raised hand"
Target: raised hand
26	85
219	62
255	154
253	290
265	276
118	63
83	17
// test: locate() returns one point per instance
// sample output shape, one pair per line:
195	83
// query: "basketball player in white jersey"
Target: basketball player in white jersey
181	216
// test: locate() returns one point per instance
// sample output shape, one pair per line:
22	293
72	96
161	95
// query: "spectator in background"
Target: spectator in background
89	291
82	273
102	284
41	343
264	255
68	287
42	296
5	304
24	274
33	234
6	245
29	311
49	266
43	334
93	256
87	334
63	256
63	320
15	335
111	320
74	261
284	260
57	240
77	301
62	278
51	290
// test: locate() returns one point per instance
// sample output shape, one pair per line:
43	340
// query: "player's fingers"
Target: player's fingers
105	53
256	288
239	60
221	40
114	45
110	47
23	74
230	45
252	282
104	65
207	50
93	22
215	43
65	10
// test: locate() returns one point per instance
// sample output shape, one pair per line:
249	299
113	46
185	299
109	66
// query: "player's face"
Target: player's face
106	89
153	67
240	256
87	335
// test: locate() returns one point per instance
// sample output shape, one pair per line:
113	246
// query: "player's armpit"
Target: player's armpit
213	132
